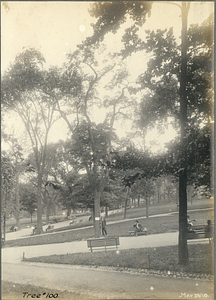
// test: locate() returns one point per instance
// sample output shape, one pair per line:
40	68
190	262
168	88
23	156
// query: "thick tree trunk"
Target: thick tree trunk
183	250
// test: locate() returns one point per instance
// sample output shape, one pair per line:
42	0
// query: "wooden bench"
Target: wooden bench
198	232
132	231
103	243
50	227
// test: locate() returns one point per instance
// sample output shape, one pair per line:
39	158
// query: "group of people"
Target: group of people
137	225
208	227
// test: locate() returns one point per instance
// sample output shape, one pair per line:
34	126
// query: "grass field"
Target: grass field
154	225
161	258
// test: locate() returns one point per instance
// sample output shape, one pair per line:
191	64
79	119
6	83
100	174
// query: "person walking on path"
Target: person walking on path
103	226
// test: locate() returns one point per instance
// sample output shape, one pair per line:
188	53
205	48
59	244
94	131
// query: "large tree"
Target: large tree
180	86
22	92
174	89
93	140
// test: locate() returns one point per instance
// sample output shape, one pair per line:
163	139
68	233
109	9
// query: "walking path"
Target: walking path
102	283
15	254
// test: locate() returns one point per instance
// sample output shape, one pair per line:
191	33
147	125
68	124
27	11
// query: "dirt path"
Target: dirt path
104	284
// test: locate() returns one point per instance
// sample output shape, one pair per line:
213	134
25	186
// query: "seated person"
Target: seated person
49	227
138	226
189	223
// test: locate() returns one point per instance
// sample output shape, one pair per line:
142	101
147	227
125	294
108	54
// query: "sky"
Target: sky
55	28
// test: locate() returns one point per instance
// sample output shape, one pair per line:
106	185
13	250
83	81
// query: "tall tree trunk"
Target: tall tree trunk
147	206
106	211
39	205
56	210
138	200
47	212
168	196
93	214
158	195
182	248
4	213
97	214
126	201
17	214
4	226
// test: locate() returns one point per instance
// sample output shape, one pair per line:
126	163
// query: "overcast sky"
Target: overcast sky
55	28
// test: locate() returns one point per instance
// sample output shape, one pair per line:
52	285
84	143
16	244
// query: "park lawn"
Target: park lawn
161	258
158	208
154	225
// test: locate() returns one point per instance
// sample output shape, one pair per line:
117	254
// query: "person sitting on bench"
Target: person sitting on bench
189	223
138	227
49	227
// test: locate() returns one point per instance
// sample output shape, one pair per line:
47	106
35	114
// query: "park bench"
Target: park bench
50	227
132	231
13	228
103	243
198	232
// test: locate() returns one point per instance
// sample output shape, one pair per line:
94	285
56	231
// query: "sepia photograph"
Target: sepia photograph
107	150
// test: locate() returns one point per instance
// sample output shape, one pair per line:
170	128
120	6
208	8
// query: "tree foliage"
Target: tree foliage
28	198
162	100
112	14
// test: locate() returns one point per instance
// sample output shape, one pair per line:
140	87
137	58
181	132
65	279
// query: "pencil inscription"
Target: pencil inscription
48	295
196	295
